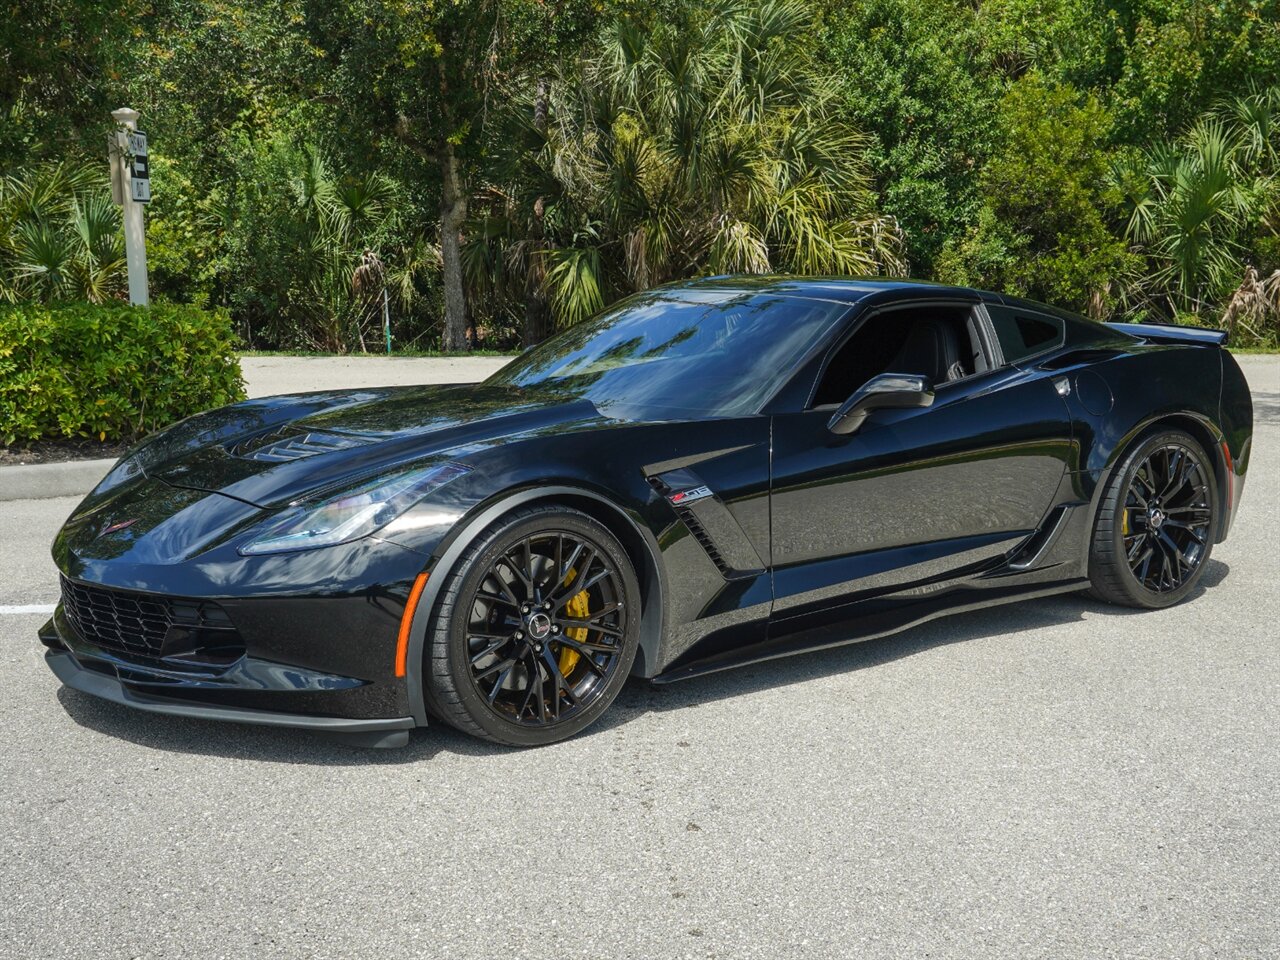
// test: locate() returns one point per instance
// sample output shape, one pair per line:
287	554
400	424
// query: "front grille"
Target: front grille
149	625
291	443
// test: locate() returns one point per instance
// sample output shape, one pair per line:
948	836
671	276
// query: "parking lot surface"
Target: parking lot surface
265	376
1056	779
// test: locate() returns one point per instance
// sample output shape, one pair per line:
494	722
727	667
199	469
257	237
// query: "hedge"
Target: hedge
111	372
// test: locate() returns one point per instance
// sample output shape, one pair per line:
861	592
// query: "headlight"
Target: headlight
353	514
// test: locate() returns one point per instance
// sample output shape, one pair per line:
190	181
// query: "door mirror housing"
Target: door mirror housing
888	390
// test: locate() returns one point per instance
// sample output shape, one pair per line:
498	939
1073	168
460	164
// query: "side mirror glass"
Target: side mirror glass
888	390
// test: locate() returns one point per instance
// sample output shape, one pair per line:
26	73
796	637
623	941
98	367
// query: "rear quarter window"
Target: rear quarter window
1023	333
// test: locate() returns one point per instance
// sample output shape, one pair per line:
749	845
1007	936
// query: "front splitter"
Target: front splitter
377	732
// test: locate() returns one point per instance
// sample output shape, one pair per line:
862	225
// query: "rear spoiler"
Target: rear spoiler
1168	333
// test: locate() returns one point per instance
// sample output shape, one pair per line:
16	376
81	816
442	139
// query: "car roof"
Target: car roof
848	290
852	290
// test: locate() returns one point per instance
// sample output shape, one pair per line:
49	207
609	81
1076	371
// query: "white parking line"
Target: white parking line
28	608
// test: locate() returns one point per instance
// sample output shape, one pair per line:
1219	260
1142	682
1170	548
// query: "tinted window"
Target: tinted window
1022	334
678	352
931	340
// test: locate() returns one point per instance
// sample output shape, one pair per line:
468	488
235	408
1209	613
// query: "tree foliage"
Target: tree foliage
61	61
1191	205
1042	231
705	143
60	235
918	82
516	164
424	72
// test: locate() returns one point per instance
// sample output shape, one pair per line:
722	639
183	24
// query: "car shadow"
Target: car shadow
283	745
640	696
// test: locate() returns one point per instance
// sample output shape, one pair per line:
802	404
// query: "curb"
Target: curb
39	481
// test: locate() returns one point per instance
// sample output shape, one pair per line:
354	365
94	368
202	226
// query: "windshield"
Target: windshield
678	352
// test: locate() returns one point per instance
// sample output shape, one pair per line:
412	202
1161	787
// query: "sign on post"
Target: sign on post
139	167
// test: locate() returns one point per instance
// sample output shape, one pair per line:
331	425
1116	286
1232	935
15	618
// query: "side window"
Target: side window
1023	334
935	340
867	353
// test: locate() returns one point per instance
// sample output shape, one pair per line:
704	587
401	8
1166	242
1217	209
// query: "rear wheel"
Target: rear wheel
537	629
1154	530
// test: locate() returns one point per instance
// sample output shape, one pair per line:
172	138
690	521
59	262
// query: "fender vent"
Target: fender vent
704	539
1032	551
657	484
709	521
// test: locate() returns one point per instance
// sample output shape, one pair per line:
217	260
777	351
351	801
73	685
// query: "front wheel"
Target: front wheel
536	630
1155	526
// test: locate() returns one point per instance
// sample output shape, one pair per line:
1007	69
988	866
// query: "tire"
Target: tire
1154	532
530	645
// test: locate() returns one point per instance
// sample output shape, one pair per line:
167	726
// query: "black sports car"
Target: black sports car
705	475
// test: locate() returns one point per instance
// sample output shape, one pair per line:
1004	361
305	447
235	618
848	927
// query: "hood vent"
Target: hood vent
289	443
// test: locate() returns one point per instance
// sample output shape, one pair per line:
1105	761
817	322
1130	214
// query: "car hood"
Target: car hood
286	448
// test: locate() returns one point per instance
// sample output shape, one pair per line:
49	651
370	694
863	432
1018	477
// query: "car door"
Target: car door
914	495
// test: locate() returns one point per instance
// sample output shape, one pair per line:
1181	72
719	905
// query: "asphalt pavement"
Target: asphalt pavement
1057	779
265	376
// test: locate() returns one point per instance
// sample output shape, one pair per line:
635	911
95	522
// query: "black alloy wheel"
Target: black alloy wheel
1166	517
1155	527
539	629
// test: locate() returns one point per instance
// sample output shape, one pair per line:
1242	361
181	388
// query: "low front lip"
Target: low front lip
70	671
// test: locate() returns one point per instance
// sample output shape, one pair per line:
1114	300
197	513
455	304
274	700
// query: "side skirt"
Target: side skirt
874	619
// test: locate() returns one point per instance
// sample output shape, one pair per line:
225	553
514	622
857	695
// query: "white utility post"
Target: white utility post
131	191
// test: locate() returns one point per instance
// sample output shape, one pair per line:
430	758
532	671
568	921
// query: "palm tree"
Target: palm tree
343	222
1190	206
706	146
1255	303
60	236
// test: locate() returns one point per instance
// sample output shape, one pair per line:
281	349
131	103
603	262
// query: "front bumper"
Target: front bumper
249	691
70	672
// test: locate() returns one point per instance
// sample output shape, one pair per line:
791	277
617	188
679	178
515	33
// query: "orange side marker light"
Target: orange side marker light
406	620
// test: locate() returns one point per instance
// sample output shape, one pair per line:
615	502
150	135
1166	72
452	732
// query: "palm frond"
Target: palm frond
738	247
574	284
43	258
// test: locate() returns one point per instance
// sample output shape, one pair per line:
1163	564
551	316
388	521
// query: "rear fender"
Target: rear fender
1155	386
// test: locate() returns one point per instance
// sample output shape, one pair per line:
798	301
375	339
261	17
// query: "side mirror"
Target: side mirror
888	390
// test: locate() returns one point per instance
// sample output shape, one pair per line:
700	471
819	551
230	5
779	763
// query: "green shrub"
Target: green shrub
111	371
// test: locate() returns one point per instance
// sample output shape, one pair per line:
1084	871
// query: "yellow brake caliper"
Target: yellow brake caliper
579	608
